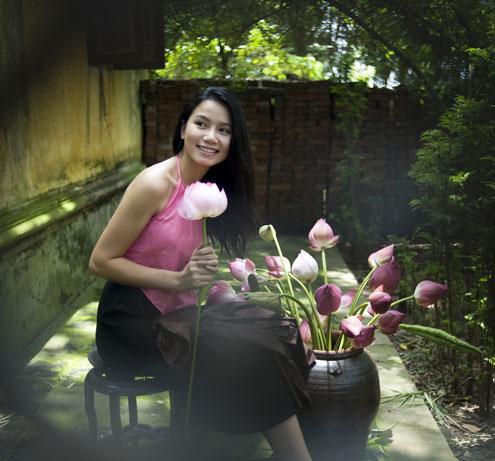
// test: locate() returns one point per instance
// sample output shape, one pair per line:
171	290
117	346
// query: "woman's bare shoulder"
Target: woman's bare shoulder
155	183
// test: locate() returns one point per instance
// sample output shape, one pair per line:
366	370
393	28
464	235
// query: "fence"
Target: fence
296	148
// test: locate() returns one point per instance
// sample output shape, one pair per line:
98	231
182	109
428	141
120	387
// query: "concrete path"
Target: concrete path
58	373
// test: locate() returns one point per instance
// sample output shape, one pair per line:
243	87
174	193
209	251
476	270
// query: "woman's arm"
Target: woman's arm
144	197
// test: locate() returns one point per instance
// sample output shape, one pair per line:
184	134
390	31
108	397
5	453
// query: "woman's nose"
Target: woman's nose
210	135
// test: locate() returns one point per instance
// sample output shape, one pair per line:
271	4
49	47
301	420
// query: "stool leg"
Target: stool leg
89	405
133	417
115	422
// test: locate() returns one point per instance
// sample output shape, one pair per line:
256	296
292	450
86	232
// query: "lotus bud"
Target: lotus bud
388	323
305	332
222	292
379	301
381	256
276	266
305	267
428	292
347	299
364	338
388	275
359	334
267	232
202	200
351	326
240	268
328	298
321	236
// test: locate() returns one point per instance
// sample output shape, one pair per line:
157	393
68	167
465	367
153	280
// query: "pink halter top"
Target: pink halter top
167	242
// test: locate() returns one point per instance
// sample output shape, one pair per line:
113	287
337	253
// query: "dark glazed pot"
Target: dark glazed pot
344	392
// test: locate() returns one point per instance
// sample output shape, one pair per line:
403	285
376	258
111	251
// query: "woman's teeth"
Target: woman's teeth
208	150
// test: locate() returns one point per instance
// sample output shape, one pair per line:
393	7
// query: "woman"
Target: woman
155	263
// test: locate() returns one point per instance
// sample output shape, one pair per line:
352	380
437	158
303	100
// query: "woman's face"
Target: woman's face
207	133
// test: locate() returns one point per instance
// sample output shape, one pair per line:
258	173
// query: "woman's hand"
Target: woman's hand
200	269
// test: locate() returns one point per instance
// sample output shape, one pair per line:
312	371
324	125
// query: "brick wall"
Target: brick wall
296	148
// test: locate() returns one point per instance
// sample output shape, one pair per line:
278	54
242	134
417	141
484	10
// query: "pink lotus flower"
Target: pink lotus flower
360	335
241	268
379	301
305	332
381	256
388	275
305	267
351	326
388	323
328	298
276	266
428	292
321	236
364	338
347	299
222	292
202	200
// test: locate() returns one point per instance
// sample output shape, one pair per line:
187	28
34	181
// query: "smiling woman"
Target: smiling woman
155	264
207	134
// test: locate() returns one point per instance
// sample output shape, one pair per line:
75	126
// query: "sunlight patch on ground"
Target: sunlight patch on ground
57	342
342	277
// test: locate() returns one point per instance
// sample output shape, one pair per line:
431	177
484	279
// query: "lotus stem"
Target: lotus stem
407	298
360	291
329	342
339	344
314	329
360	308
193	369
313	307
374	319
286	272
324	266
201	299
203	290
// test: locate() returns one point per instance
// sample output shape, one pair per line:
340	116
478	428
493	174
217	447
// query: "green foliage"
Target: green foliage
456	168
263	55
193	59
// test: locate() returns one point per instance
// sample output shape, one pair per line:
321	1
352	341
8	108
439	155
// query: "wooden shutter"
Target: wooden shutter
126	34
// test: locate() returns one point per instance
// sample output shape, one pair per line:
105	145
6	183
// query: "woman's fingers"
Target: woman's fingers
205	258
202	267
200	277
203	250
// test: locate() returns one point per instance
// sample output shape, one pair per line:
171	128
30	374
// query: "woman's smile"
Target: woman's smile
207	149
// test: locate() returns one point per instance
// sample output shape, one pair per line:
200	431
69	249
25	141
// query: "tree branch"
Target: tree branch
378	37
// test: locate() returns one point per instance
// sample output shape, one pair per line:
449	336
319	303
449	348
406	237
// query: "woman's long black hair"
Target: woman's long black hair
235	174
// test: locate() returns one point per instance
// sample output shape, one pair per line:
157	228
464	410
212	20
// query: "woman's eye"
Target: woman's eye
200	123
225	131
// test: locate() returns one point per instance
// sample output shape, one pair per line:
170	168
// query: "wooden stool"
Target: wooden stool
118	383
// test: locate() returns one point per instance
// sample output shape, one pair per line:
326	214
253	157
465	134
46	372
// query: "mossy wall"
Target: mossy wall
70	141
65	121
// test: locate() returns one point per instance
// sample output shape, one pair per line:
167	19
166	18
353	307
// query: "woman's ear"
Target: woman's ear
182	130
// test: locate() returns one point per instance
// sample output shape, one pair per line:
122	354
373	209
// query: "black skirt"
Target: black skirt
239	383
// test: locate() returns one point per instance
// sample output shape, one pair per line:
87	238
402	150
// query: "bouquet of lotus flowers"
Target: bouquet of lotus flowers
369	307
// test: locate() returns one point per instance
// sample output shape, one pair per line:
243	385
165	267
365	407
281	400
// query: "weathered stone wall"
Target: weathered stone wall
71	140
296	147
67	121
